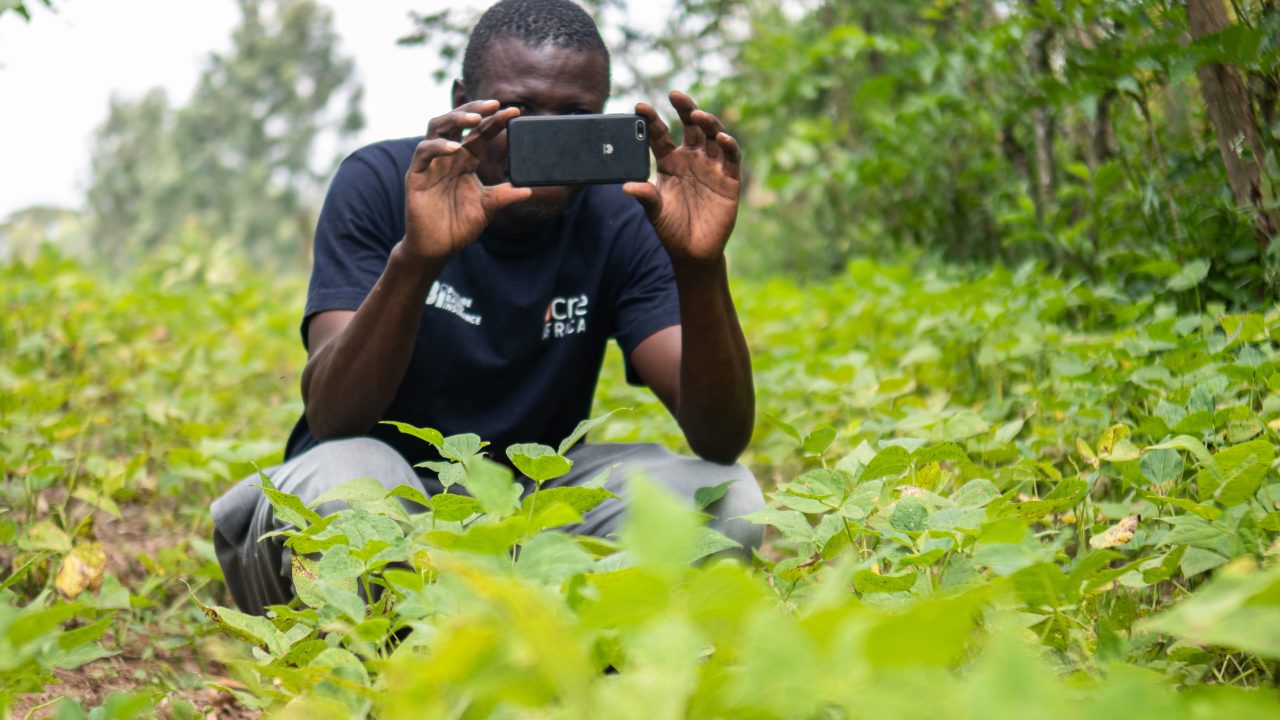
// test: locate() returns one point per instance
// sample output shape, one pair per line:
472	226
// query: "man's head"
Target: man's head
545	57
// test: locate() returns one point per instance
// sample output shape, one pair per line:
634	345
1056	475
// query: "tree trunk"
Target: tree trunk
1043	122
1230	112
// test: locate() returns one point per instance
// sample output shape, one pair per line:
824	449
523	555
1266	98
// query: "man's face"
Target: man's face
541	80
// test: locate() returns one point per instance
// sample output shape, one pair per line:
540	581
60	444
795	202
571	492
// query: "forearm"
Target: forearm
350	382
716	404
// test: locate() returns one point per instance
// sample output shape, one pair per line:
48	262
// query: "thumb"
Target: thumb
648	196
496	197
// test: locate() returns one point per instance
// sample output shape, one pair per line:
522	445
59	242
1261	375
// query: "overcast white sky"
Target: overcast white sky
58	72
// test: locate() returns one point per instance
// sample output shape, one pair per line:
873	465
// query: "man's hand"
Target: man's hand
695	204
446	205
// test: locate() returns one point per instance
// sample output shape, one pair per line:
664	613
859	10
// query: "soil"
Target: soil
141	666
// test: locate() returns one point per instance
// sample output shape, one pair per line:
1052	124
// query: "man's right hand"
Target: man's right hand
446	205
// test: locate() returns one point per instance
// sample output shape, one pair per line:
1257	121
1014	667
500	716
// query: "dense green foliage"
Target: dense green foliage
1009	490
1073	132
243	157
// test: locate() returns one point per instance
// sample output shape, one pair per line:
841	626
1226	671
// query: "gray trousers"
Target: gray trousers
258	575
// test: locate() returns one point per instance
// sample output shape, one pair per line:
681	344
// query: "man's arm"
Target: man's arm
358	359
700	370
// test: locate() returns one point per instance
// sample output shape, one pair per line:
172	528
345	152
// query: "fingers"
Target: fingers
488	129
660	141
450	125
684	106
429	150
732	155
711	128
496	197
648	196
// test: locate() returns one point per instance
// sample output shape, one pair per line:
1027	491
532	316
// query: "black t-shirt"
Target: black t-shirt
515	329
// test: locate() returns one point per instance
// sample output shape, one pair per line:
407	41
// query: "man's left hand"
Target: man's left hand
695	203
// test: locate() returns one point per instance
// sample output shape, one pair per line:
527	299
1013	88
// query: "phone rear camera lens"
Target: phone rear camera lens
639	129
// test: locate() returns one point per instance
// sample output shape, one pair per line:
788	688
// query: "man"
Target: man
443	296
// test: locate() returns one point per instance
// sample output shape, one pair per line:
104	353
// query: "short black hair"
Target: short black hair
559	23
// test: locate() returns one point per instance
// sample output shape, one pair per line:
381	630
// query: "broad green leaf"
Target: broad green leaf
939	452
866	581
710	541
582	500
1191	275
965	424
975	493
659	531
1242	467
538	462
583	428
890	461
1239	609
909	515
287	507
553	557
427	435
251	628
1244	327
454	508
1161	465
704	497
461	448
792	525
493	486
817	442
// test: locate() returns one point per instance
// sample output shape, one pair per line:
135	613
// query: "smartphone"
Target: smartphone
577	149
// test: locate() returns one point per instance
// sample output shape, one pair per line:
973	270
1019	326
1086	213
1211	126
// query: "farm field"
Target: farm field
992	494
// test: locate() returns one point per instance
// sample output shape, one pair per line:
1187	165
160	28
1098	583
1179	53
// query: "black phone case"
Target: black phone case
577	149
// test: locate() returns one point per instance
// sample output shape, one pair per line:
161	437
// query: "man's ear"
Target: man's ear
459	94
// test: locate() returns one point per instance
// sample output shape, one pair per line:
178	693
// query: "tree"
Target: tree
240	158
1231	112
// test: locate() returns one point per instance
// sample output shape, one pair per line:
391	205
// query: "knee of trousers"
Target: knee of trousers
333	463
742	498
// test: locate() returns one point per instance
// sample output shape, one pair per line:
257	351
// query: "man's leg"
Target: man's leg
680	474
256	572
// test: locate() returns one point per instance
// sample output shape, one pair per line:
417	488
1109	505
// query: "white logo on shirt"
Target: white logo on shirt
443	296
566	316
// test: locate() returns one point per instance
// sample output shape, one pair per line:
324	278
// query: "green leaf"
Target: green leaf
582	500
975	493
538	462
287	507
454	508
1197	450
939	452
425	434
45	535
553	557
493	485
792	525
703	497
583	428
461	448
867	582
710	542
1161	465
892	460
816	442
659	530
355	492
1242	468
1192	274
251	628
965	424
909	515
1239	609
1244	327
